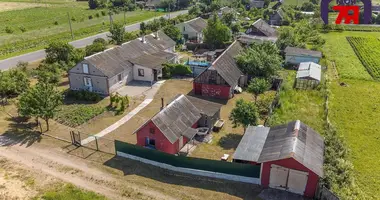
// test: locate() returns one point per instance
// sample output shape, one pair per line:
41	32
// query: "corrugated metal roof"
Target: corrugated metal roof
197	24
205	107
116	60
251	144
249	39
293	140
176	119
226	65
265	28
304	52
309	70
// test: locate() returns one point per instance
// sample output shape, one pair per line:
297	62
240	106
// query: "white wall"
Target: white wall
148	73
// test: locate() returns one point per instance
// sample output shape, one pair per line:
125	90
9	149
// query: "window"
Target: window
141	72
119	77
85	68
87	82
184	28
152	130
150	142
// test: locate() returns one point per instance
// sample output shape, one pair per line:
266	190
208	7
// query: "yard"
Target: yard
353	109
31	29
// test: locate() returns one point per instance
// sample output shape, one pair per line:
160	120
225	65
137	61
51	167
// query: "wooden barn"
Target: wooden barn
290	155
222	77
176	124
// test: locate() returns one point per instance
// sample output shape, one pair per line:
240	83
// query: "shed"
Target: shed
291	156
308	75
295	56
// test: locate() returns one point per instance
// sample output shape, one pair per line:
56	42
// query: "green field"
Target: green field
367	50
304	105
33	28
355	110
70	192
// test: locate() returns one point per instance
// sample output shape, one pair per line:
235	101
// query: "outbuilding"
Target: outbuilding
290	155
295	56
308	75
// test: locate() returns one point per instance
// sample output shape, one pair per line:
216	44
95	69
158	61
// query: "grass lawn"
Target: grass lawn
30	29
339	50
294	2
71	192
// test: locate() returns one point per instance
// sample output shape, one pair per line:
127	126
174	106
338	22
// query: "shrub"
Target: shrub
83	95
56	23
9	30
22	29
101	41
97	15
103	13
170	70
94	48
90	17
73	19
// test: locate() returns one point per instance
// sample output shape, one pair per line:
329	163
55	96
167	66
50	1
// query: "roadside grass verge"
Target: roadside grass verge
354	112
70	192
339	50
304	105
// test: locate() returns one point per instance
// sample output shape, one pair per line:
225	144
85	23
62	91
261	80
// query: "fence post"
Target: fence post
96	142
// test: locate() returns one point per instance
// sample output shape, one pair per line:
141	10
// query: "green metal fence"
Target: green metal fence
246	170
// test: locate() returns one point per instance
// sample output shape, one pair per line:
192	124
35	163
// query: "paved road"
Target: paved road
37	55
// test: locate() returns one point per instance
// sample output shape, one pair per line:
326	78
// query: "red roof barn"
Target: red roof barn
175	125
291	156
222	77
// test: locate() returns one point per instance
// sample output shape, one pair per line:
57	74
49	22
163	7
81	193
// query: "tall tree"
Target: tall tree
258	86
41	101
59	51
228	18
260	60
117	33
173	32
143	28
13	82
216	33
244	114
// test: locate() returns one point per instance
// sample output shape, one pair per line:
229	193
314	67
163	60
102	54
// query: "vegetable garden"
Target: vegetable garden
367	51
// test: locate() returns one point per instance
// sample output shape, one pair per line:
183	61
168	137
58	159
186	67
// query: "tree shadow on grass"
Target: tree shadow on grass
130	167
20	132
230	141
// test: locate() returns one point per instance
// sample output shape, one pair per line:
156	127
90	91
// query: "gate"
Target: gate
75	138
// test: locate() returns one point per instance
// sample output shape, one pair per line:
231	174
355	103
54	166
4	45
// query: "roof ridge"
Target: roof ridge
224	52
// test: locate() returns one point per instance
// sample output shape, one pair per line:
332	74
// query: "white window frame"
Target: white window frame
143	72
85	68
87	81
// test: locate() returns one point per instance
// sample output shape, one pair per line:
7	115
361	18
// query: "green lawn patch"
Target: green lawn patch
367	50
339	50
355	113
304	105
69	192
76	114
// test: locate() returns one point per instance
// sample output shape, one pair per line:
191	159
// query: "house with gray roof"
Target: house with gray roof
291	156
257	3
176	123
193	29
259	32
140	59
295	55
277	17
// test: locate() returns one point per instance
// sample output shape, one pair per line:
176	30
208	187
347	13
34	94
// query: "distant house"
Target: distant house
222	77
193	30
261	28
277	17
309	75
224	10
140	59
257	3
296	56
152	4
290	155
176	124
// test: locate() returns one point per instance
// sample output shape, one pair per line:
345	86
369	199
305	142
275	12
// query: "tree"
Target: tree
13	82
227	18
287	37
143	28
244	114
260	60
216	33
95	48
49	73
117	33
235	28
41	101
195	10
173	32
307	6
258	86
59	51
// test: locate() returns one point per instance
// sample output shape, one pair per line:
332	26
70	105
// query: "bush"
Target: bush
170	70
103	13
101	41
97	15
56	23
73	19
94	48
90	17
9	30
83	95
22	29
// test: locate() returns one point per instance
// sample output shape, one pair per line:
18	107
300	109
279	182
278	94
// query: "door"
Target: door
278	177
297	181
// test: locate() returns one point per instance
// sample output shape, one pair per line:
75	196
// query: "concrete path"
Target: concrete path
149	98
40	54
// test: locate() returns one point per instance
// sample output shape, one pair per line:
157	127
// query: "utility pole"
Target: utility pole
71	28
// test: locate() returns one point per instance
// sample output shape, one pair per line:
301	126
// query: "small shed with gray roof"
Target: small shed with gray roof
291	156
175	124
295	56
308	75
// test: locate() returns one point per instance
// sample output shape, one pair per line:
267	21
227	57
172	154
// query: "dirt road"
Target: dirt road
73	170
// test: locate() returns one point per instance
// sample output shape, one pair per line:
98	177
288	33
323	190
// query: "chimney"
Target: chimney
162	104
156	36
297	127
143	39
